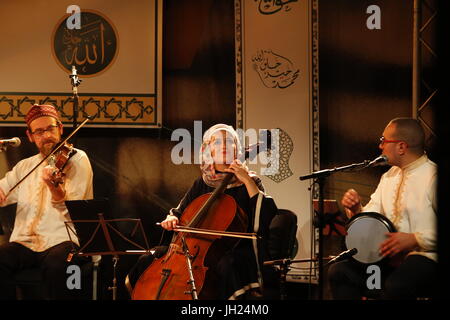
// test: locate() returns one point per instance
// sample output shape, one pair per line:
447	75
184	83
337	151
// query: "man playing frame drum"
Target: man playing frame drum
406	195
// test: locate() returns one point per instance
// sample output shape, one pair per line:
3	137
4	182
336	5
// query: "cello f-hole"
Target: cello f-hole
164	276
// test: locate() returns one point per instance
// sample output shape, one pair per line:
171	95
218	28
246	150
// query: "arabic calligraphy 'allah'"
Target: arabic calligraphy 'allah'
91	49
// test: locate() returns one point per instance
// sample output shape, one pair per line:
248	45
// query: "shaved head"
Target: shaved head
410	130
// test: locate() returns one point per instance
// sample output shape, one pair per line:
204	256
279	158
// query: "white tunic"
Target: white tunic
407	197
39	222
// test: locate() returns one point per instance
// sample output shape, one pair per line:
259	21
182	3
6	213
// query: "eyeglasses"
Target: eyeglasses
219	141
40	132
384	140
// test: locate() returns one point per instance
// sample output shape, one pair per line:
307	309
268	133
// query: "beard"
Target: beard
47	147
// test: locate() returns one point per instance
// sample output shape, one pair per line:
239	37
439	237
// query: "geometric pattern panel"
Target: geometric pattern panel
105	109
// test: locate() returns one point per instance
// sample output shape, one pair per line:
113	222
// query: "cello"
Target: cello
209	226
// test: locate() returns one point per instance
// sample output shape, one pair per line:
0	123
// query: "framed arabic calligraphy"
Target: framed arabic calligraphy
92	48
116	51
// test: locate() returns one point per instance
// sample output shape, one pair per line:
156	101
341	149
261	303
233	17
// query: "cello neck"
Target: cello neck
215	194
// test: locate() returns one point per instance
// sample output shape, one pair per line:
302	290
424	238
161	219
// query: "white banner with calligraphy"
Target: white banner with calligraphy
115	47
275	89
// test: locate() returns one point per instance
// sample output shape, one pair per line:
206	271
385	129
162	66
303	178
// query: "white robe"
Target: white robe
407	197
40	221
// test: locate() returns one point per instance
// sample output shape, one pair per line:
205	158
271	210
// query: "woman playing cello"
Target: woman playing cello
238	269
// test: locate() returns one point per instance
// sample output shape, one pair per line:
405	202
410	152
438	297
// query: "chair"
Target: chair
282	235
282	244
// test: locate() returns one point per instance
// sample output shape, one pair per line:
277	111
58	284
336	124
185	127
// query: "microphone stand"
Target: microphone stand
75	83
319	179
284	267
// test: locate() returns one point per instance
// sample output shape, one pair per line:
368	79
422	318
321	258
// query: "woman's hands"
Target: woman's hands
242	175
239	171
170	222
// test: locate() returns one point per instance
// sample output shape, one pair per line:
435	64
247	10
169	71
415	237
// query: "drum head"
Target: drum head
365	232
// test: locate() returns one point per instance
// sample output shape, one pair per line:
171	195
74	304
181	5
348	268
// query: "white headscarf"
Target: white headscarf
209	174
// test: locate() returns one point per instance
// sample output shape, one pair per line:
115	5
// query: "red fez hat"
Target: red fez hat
37	111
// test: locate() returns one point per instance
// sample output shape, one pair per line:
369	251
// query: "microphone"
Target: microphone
75	81
13	142
265	144
344	255
380	161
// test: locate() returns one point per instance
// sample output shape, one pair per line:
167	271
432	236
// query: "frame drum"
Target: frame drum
365	232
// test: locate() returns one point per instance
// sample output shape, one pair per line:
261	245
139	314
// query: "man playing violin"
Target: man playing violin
40	238
406	195
237	270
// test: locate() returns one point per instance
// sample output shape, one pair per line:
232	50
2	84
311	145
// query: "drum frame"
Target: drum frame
378	216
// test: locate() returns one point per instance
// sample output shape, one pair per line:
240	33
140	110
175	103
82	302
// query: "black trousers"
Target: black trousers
52	262
415	277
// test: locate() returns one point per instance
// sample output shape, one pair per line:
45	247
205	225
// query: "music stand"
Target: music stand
97	233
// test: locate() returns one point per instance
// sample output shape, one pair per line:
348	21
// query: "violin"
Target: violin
58	161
